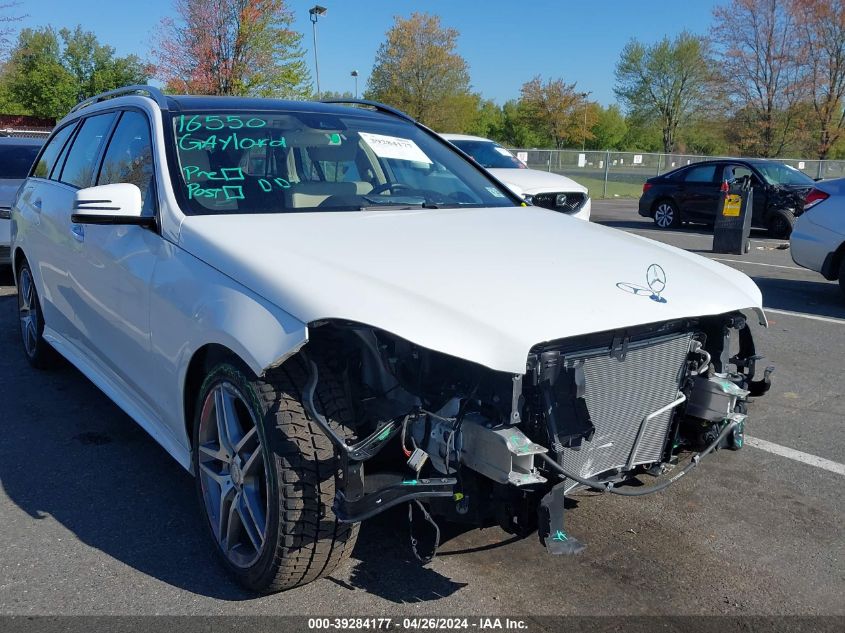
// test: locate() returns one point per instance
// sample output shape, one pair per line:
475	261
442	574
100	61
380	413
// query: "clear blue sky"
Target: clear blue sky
505	42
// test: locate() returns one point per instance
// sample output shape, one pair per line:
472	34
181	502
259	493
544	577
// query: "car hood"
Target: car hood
531	181
481	284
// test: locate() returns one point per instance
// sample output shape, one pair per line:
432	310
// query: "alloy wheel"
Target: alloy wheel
233	475
28	312
664	215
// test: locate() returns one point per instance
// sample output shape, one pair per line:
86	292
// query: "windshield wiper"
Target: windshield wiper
391	203
391	207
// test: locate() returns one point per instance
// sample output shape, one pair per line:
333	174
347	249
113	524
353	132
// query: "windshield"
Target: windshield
780	174
260	162
489	154
16	160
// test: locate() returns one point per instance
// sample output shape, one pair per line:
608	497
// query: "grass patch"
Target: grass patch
614	189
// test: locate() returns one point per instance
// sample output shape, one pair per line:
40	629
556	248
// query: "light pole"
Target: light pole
354	73
584	96
315	12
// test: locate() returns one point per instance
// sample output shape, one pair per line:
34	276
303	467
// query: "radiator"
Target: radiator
619	396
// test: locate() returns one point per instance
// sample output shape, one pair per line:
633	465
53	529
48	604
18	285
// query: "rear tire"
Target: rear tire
31	320
667	215
780	224
292	479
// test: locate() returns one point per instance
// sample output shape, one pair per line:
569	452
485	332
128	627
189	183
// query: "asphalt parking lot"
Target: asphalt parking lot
95	518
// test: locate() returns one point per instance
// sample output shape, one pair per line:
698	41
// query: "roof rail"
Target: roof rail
154	93
380	107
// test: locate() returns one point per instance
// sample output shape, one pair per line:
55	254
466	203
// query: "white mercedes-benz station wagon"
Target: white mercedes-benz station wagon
324	310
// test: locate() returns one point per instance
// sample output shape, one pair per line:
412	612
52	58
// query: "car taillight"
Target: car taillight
646	186
814	197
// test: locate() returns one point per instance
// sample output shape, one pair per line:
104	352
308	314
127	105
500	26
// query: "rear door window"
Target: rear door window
51	152
701	174
129	157
78	169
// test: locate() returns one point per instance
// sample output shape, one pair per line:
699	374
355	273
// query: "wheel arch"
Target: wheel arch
18	257
198	367
664	198
202	361
832	263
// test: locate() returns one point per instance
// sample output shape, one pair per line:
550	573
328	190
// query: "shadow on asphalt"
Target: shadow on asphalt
69	453
691	229
383	564
821	298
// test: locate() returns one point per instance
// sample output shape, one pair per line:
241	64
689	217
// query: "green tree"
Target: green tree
334	94
555	109
418	71
49	72
517	130
643	134
610	128
706	135
232	47
488	120
664	82
95	67
35	77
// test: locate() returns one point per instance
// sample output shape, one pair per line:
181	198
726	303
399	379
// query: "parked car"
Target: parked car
16	158
540	188
692	193
323	311
818	239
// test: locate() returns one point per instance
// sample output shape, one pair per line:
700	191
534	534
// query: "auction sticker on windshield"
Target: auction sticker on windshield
394	147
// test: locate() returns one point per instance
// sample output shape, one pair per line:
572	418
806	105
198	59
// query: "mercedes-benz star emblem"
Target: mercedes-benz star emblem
656	279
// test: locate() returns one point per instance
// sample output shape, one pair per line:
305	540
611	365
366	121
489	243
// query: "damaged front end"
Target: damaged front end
482	446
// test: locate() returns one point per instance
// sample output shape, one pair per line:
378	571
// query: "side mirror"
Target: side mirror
110	204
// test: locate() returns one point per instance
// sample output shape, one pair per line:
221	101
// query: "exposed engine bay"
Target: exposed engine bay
469	444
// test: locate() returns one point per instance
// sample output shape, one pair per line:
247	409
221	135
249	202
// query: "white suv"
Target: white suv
540	188
278	292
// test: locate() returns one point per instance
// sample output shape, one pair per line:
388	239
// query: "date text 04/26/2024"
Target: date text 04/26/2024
418	624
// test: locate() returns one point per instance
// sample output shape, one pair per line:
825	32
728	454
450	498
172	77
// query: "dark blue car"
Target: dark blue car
692	193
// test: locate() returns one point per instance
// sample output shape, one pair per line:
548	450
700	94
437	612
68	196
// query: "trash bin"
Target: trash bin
732	227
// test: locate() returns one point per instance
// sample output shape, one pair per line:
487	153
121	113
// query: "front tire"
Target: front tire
30	317
667	215
780	224
266	475
842	277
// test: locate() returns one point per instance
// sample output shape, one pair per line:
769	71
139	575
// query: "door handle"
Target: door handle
37	204
78	232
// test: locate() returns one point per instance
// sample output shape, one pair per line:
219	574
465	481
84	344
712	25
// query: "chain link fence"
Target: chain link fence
18	133
622	174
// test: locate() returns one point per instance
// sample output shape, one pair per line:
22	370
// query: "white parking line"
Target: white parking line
805	316
739	261
798	456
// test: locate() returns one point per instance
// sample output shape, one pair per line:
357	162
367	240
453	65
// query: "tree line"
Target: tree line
768	79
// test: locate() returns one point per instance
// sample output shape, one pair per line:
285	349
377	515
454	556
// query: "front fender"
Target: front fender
193	305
